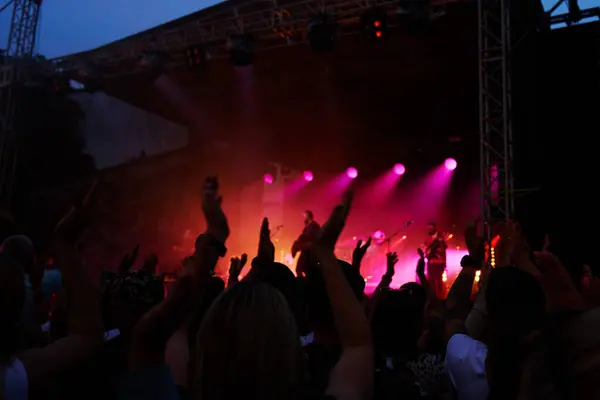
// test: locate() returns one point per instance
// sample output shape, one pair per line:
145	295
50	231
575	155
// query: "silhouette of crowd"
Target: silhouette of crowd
527	331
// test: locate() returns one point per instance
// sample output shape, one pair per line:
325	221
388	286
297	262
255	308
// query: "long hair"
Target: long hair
247	347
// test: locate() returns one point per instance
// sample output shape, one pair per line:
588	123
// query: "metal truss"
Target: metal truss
271	25
573	16
23	28
496	148
19	51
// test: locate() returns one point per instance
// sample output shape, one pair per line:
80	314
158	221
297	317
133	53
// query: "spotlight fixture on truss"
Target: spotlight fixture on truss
241	50
321	33
196	56
374	23
417	14
153	61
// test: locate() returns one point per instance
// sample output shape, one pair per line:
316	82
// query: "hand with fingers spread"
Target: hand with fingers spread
266	248
392	259
359	252
129	260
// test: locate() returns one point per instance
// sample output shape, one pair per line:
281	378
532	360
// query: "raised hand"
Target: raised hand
359	252
71	225
237	265
392	259
129	260
216	221
266	248
475	243
331	230
561	293
421	253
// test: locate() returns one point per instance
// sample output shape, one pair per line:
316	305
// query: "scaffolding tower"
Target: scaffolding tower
19	50
496	144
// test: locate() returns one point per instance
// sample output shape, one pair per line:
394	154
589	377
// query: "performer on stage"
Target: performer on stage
435	251
304	241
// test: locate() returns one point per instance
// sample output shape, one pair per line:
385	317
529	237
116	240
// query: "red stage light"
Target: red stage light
308	176
379	34
377	24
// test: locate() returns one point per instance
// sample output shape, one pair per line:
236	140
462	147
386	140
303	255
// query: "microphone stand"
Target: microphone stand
389	239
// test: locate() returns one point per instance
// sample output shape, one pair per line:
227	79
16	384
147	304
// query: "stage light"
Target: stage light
268	179
196	56
374	23
450	164
154	60
321	33
308	176
352	172
241	50
399	169
378	235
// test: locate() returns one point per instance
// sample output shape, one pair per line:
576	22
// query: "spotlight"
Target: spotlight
399	169
154	63
416	15
241	50
352	172
378	235
374	23
308	176
321	33
268	179
450	164
154	60
196	56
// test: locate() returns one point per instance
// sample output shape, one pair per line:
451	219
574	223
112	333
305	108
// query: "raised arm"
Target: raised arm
352	376
156	327
83	311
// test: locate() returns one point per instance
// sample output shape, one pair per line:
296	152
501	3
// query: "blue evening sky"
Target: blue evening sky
69	26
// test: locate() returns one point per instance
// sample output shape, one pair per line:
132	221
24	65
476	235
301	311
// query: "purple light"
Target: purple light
399	169
378	235
268	179
352	172
450	164
308	176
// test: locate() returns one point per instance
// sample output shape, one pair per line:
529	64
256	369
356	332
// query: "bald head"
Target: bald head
20	248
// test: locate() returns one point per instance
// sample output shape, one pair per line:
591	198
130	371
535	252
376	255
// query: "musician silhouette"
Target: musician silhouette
435	250
304	242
